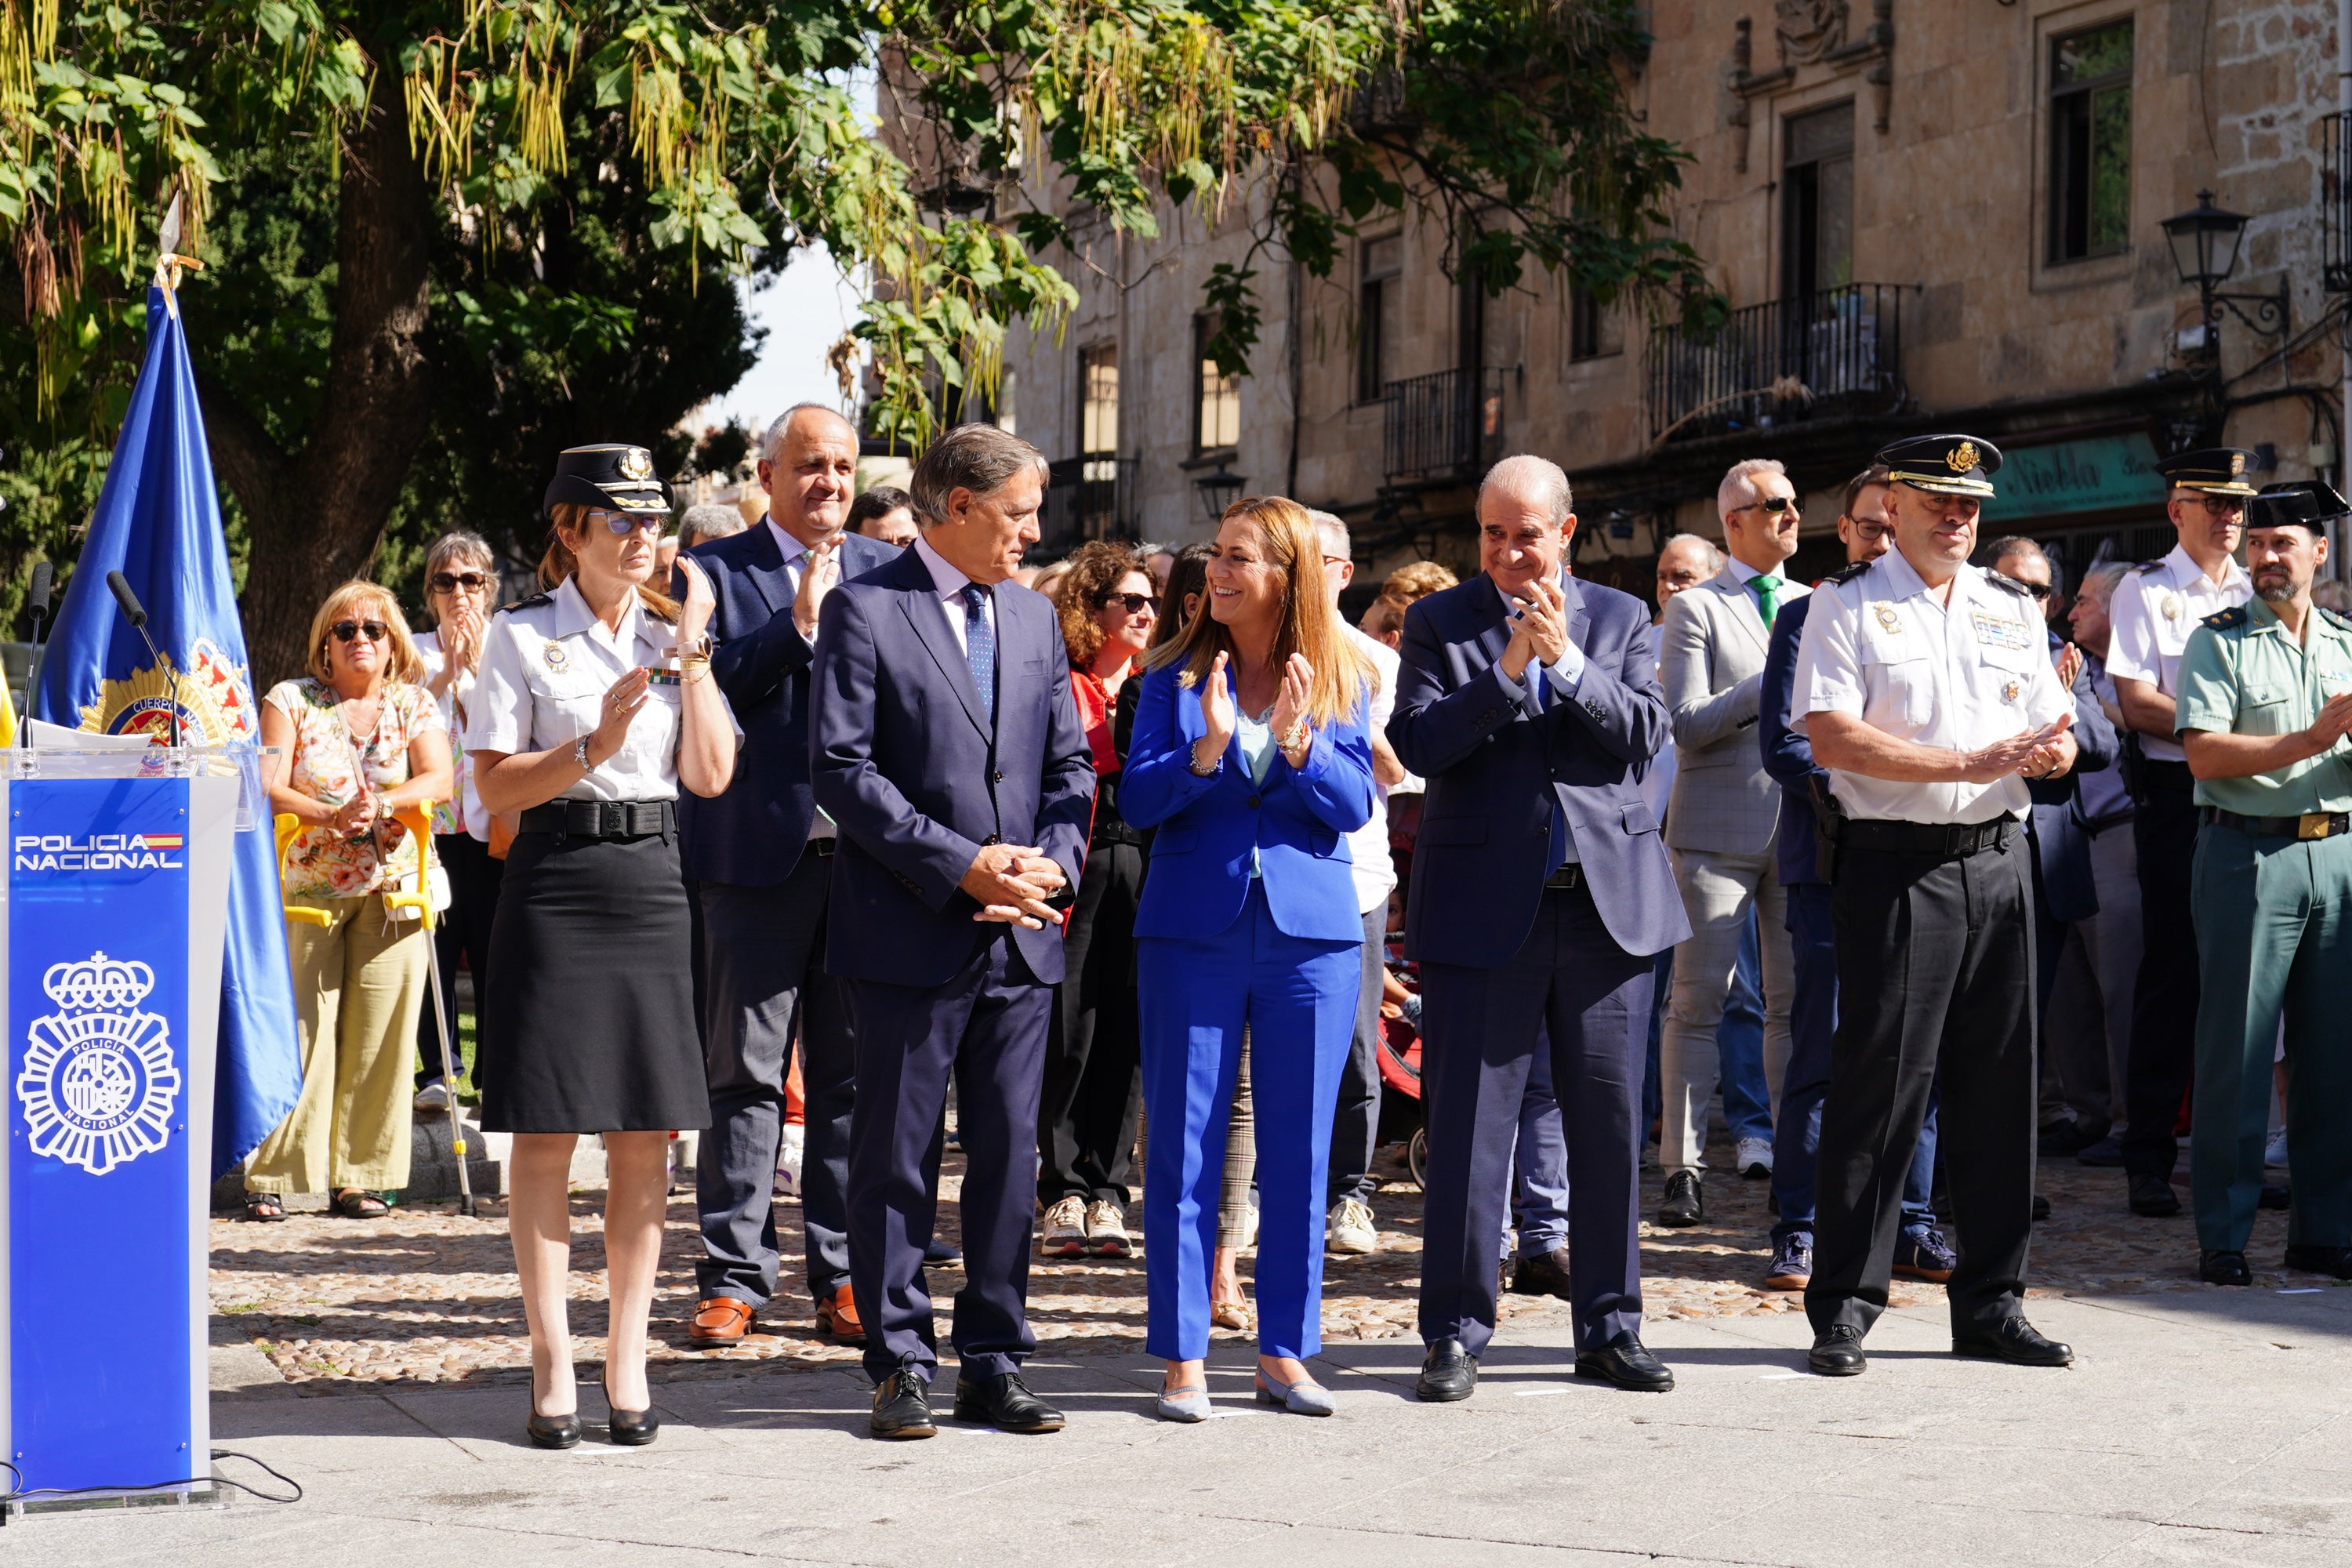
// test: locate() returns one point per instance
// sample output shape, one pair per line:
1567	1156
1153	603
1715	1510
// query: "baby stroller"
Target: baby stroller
1402	1120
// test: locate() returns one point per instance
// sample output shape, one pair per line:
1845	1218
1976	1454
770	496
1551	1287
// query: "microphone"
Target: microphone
36	603
136	613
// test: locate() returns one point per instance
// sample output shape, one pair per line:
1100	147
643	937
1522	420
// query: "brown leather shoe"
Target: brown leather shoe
719	1321
836	1316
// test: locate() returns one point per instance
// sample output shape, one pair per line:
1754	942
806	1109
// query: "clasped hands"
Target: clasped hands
1220	714
1538	629
1011	883
2033	754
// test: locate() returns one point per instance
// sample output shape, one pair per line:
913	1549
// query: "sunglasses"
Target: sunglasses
2040	591
346	630
1136	603
450	582
1776	505
625	523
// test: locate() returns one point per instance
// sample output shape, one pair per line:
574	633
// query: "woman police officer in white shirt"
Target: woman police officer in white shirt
586	720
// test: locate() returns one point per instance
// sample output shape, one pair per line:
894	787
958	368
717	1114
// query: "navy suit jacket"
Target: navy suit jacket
1294	825
903	758
753	834
2062	844
1496	766
1789	756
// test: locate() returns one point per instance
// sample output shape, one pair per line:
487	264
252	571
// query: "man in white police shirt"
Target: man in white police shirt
1926	688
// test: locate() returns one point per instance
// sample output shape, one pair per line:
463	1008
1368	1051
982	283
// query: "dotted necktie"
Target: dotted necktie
979	646
1768	597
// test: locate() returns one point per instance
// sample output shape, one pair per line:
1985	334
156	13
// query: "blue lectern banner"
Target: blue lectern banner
99	1174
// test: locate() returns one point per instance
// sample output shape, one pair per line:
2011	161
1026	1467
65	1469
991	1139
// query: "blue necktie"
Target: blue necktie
1560	848
979	646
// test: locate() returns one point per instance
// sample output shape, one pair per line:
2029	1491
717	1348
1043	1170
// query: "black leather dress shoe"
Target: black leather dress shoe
1627	1362
2275	1196
2013	1339
2223	1268
1837	1353
902	1408
2333	1261
554	1431
2154	1197
1004	1402
1448	1372
1686	1202
1545	1274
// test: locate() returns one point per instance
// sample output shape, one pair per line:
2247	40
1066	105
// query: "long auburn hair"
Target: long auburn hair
1308	624
1096	569
560	563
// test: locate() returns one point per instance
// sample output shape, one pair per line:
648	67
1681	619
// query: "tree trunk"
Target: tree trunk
318	514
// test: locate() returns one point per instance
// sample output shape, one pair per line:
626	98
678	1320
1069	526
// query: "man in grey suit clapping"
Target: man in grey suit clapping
1722	815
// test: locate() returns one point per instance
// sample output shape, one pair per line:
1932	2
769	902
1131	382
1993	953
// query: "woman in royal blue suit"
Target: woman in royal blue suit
1251	756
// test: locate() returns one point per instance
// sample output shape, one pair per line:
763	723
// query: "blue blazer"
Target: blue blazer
1295	823
903	759
753	834
1789	756
2062	843
1496	766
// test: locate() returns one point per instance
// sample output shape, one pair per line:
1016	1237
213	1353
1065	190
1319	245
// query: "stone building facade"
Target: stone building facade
1924	213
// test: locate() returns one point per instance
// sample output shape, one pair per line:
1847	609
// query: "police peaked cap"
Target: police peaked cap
2216	470
2306	503
610	475
1944	465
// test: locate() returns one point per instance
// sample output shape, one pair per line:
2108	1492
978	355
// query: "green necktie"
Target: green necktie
1767	596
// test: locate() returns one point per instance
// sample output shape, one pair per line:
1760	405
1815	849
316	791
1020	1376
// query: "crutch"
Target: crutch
415	819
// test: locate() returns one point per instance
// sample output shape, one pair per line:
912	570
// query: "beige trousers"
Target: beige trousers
359	985
1717	890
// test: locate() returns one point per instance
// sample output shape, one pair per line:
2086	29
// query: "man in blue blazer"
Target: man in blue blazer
945	744
1541	894
761	858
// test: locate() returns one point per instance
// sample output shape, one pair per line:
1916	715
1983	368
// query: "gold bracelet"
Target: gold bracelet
1296	737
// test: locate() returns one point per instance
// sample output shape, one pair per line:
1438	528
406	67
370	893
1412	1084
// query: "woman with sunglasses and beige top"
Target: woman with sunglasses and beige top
461	583
596	704
355	741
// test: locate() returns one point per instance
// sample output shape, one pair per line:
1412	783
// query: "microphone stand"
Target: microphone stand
136	613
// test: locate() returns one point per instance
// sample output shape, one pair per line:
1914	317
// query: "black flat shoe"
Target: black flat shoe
1837	1353
1627	1362
629	1428
1004	1402
1545	1274
554	1431
2275	1197
1686	1202
2015	1340
2333	1261
2223	1268
1448	1373
2153	1197
902	1408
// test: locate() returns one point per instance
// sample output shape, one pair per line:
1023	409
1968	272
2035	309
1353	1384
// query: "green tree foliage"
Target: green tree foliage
442	238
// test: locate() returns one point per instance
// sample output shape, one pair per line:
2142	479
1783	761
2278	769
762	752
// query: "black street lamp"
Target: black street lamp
2204	241
1218	491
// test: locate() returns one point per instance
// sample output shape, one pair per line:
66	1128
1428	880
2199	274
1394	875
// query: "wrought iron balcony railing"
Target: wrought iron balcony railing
1089	497
1837	353
1445	425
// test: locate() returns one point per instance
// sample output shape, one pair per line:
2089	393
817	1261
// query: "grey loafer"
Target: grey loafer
1188	1404
1300	1398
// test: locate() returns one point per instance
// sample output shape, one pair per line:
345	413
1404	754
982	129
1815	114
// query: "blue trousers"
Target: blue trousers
1297	999
1540	1183
1739	1044
1812	1020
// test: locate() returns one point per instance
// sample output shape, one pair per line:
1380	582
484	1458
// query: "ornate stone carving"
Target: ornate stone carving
1808	30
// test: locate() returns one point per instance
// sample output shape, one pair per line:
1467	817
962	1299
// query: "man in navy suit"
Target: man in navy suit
1541	894
761	857
946	745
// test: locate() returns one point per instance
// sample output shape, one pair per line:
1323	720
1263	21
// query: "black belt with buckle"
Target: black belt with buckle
602	818
1568	876
1943	840
823	848
2310	825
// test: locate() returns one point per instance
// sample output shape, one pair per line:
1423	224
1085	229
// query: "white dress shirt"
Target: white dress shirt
2153	610
950	582
1368	846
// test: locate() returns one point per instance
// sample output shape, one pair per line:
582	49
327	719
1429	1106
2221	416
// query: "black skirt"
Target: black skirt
589	1023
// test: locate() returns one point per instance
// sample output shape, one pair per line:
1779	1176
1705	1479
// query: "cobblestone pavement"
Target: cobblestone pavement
430	1296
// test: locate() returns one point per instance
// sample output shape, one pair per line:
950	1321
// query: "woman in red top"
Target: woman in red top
1085	1115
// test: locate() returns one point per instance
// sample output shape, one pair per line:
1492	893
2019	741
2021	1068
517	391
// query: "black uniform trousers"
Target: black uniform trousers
2164	1002
1093	1063
463	932
1931	951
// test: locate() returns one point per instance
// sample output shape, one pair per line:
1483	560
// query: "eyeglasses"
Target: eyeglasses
2040	591
1870	532
2223	506
346	630
450	582
1136	603
625	523
1776	505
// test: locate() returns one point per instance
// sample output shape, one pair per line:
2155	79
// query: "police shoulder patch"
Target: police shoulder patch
534	601
2222	620
1848	573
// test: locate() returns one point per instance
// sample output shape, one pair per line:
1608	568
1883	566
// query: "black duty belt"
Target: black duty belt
2310	825
2171	778
1943	840
602	818
1568	876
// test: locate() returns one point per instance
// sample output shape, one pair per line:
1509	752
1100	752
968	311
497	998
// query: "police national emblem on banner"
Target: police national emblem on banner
209	703
99	1082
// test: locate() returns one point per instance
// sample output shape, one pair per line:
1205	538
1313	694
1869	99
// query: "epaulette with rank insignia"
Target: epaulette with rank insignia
2222	620
2342	622
2147	566
2006	585
534	601
1847	572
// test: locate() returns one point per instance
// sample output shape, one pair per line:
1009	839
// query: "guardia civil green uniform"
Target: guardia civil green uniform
2272	885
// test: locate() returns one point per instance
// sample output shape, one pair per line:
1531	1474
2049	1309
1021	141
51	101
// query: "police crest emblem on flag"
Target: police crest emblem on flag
99	1083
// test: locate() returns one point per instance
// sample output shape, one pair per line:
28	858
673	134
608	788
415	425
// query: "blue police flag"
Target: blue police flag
158	522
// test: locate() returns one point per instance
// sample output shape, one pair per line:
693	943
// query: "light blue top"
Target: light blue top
1257	740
